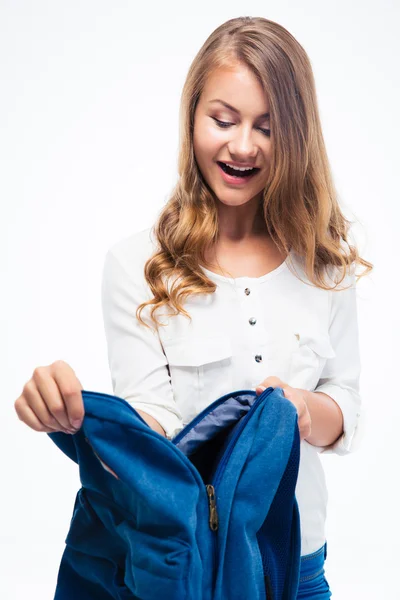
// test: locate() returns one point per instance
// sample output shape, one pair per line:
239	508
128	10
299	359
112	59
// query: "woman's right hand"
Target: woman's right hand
51	400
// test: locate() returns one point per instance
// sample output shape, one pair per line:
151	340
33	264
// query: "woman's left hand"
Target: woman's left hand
297	396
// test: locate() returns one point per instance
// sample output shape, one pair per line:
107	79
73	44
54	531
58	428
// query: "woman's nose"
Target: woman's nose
242	146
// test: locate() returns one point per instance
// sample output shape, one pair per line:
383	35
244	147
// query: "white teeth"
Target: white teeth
239	168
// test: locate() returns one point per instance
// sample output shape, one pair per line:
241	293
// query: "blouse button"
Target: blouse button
252	320
258	357
247	291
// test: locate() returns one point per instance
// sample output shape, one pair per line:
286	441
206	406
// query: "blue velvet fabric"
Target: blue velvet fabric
146	533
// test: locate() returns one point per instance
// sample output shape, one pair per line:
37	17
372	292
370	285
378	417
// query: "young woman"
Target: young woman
252	243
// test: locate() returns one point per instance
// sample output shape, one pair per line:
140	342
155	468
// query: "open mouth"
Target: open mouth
235	172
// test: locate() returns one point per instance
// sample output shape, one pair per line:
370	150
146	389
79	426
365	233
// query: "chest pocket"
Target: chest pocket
201	371
298	357
312	350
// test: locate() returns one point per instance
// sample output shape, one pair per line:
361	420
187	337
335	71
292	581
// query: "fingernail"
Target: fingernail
261	388
76	423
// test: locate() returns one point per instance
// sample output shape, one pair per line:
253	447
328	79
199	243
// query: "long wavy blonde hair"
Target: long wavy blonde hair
299	204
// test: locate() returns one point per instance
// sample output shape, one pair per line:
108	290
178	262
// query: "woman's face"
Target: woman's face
240	136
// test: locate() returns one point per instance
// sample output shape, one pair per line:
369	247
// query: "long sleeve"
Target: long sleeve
341	374
138	365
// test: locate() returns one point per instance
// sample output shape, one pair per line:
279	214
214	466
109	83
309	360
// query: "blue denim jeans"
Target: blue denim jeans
312	583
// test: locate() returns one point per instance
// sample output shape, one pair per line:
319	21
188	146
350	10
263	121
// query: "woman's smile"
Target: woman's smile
236	177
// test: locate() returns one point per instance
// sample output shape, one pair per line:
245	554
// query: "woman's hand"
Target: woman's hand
297	397
52	400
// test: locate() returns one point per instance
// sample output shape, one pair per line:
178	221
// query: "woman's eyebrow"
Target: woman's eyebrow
264	116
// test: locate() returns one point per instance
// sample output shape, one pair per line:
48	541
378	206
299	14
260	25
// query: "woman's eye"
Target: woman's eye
266	132
222	123
225	124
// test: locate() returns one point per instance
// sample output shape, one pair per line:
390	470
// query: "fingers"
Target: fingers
27	415
44	398
271	381
295	396
69	389
52	399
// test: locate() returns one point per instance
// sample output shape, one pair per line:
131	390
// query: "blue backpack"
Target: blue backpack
210	514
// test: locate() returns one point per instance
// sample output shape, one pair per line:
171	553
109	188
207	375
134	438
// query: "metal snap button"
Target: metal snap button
247	291
258	358
252	320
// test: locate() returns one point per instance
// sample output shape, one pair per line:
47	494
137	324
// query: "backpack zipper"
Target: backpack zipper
213	519
213	522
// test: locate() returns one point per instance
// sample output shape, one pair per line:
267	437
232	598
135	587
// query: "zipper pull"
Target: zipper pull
213	521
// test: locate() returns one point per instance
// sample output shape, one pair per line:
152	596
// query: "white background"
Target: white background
89	105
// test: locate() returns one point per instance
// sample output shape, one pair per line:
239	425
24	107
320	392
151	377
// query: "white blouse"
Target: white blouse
249	329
